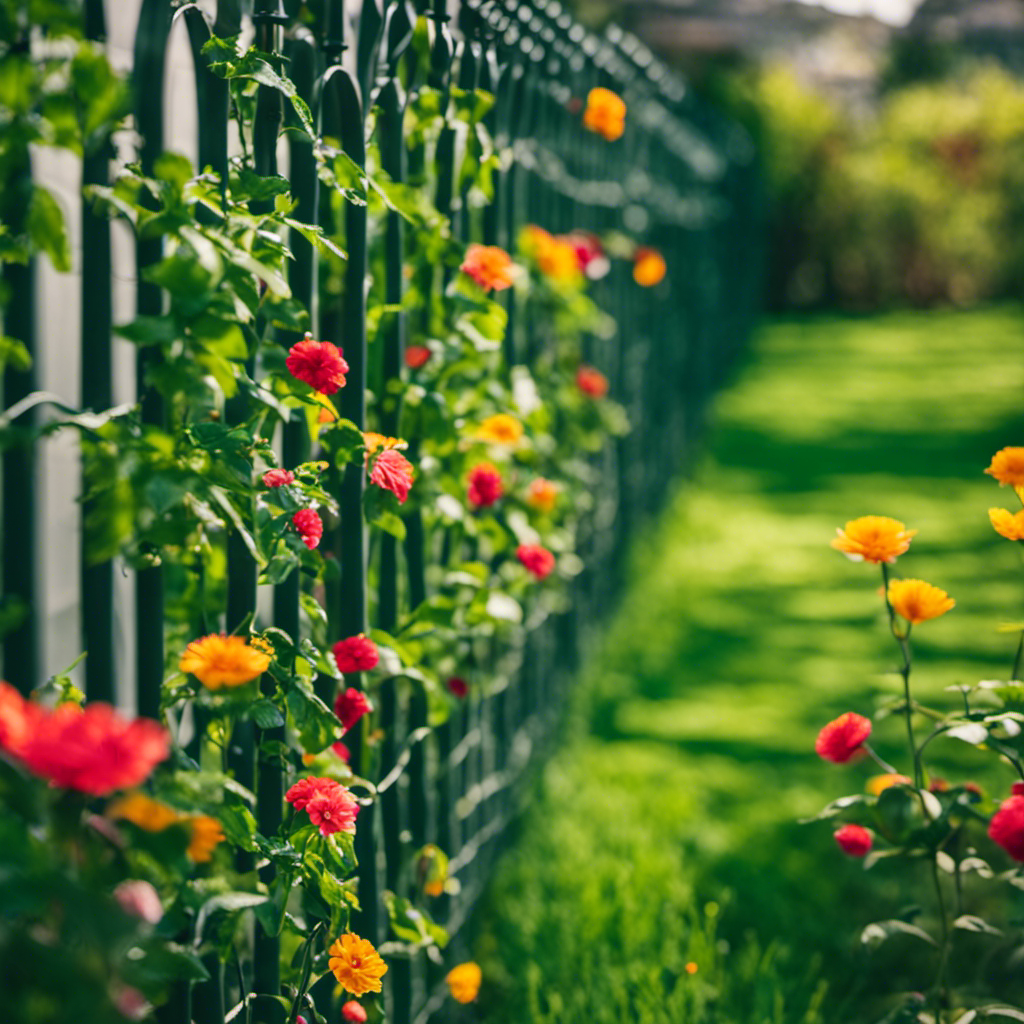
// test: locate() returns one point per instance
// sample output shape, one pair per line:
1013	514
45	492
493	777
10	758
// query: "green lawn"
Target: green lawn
691	754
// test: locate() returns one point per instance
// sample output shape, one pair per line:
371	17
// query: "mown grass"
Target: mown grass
691	758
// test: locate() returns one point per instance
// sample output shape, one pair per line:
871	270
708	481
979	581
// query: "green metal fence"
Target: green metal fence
682	179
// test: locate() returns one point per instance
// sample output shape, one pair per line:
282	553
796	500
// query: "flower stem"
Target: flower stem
307	968
940	978
903	640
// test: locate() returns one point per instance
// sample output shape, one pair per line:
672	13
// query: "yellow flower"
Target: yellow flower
144	812
555	256
374	442
464	982
356	964
500	429
877	783
542	494
605	114
918	601
1007	524
218	661
1008	466
873	539
206	834
649	267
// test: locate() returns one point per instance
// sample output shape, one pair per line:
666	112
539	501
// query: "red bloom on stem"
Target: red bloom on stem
94	749
394	472
342	751
356	654
591	382
415	357
457	687
18	719
310	526
319	364
854	840
354	1012
329	804
536	560
1007	825
841	739
278	477
485	485
350	706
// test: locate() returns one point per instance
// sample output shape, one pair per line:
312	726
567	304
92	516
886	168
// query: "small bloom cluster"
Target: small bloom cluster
205	833
605	114
535	560
591	382
309	525
464	982
319	364
330	806
484	485
357	967
490	266
649	267
220	661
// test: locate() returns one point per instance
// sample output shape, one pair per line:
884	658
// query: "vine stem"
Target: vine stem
940	978
903	640
307	969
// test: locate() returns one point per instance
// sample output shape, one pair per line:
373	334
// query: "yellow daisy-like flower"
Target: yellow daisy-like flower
500	429
1007	524
873	539
206	834
605	114
877	783
1008	466
356	964
144	812
218	661
464	982
918	601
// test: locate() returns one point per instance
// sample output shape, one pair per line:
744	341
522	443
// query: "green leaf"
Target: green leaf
46	228
228	901
972	923
266	714
878	932
317	725
149	330
14	354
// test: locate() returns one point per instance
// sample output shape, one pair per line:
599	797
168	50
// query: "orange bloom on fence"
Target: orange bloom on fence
556	256
873	539
649	267
500	429
878	783
918	601
206	834
319	364
144	812
605	114
1008	466
490	266
1007	524
356	964
219	661
464	982
542	495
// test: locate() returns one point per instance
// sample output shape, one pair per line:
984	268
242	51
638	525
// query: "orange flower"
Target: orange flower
877	783
206	834
556	257
605	114
918	601
1007	524
356	964
374	442
490	266
218	661
542	495
464	982
500	429
1008	466
649	267
144	812
873	539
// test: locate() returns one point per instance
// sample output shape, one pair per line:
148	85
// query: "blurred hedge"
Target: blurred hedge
923	203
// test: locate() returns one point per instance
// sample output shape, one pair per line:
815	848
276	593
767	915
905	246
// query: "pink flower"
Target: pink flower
842	738
394	472
310	526
485	485
333	810
1007	825
318	364
457	687
94	749
356	654
305	789
352	1011
854	840
278	477
536	560
139	899
350	706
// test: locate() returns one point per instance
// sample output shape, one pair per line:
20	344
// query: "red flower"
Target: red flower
318	364
591	382
841	739
415	357
18	719
342	751
854	840
1007	825
351	705
310	526
333	810
587	247
278	477
394	472
356	654
457	687
94	749
354	1012
536	560
485	485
